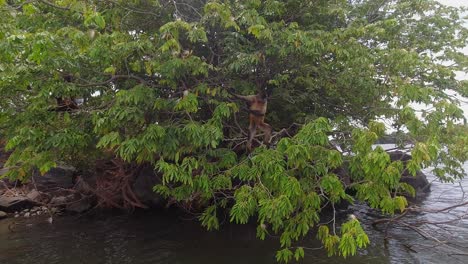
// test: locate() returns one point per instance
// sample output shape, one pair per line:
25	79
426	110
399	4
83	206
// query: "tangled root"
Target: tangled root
114	186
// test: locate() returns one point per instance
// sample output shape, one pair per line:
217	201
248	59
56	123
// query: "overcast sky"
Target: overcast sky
455	2
458	3
460	75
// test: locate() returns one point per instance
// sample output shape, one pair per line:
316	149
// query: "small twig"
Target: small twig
386	220
8	189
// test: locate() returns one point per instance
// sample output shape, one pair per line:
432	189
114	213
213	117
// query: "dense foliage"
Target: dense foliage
153	76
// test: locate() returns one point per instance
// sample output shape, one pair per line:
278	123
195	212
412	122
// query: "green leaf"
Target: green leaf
209	218
299	253
256	30
46	167
284	255
99	20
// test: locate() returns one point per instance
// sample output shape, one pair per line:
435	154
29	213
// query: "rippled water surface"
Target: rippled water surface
165	237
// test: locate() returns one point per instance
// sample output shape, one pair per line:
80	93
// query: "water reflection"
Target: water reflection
150	239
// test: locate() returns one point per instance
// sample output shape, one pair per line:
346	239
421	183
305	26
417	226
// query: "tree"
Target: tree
154	76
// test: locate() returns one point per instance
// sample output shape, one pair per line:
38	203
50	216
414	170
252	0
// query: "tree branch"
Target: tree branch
113	78
54	5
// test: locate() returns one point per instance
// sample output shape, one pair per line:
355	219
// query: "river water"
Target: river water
173	238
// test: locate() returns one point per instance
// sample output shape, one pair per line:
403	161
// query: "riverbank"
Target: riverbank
62	191
27	201
170	236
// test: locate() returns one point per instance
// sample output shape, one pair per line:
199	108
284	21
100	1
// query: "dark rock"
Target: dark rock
59	200
343	173
11	204
59	177
85	185
3	215
80	205
419	181
33	195
399	155
143	187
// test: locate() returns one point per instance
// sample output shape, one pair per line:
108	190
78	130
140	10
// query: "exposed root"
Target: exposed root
114	186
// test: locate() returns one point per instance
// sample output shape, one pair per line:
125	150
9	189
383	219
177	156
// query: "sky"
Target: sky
460	75
456	3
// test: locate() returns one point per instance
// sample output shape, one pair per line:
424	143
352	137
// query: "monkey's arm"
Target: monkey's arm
248	98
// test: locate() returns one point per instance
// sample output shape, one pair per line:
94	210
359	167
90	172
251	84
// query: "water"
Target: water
145	238
168	237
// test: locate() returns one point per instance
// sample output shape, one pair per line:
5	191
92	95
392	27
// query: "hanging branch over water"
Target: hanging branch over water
437	232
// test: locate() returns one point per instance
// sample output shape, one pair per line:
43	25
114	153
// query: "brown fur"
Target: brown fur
65	104
257	110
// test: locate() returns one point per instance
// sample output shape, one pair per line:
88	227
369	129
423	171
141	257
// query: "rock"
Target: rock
3	215
399	155
343	173
59	177
16	215
26	210
80	205
33	195
4	170
33	214
419	181
35	209
143	187
39	213
85	185
27	215
59	200
11	204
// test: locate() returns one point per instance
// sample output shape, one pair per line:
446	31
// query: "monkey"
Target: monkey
65	104
257	109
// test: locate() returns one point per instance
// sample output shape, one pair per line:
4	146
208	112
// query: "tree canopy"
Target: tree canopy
154	76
